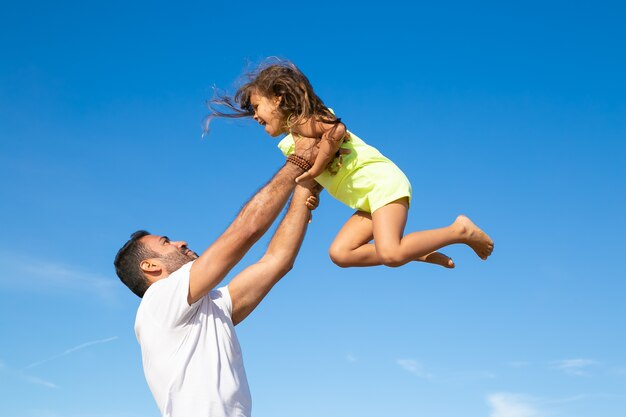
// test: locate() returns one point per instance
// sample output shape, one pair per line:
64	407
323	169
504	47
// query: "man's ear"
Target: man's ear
277	100
150	265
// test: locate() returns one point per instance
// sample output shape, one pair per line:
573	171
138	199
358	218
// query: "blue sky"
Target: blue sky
512	114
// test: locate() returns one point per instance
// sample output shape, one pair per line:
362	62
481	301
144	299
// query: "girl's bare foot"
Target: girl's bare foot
474	237
437	258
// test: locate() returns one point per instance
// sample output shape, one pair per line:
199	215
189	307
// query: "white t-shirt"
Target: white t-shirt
191	357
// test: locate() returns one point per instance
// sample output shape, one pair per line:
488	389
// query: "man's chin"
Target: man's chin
176	260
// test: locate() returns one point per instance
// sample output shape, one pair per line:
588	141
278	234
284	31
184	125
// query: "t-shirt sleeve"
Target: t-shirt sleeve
287	145
166	299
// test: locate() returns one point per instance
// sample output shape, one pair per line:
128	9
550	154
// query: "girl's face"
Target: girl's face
267	113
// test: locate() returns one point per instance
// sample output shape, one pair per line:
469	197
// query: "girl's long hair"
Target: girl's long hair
277	78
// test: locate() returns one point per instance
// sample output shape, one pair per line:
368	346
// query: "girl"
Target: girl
281	99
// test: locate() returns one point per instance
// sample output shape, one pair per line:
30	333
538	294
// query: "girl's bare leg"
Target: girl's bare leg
352	248
394	249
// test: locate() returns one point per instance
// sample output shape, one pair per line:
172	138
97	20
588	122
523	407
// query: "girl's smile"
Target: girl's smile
267	114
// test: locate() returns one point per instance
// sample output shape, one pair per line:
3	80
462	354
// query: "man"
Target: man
191	357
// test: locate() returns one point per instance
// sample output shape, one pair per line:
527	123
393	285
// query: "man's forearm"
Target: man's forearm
286	242
248	227
249	287
261	211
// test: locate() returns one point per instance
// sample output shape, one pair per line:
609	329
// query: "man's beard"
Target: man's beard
175	260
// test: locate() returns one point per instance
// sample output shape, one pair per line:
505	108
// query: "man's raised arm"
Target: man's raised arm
251	223
250	286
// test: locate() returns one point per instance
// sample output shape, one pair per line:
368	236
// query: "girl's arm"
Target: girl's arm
331	135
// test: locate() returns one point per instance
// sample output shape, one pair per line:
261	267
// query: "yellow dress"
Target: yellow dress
366	180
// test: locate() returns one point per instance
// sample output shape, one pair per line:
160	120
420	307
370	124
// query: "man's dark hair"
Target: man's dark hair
127	263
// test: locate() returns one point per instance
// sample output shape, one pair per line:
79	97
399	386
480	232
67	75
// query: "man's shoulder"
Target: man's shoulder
172	292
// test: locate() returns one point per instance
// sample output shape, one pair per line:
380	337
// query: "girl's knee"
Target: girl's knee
390	256
392	261
339	256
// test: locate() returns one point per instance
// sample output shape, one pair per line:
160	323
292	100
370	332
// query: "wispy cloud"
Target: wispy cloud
72	350
504	404
575	367
33	274
511	405
414	367
37	381
34	380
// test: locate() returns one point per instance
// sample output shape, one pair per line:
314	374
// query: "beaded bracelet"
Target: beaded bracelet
300	162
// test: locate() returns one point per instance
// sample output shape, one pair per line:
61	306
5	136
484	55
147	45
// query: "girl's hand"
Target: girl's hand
312	202
328	146
324	157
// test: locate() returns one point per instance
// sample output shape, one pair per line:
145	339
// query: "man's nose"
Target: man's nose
179	243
